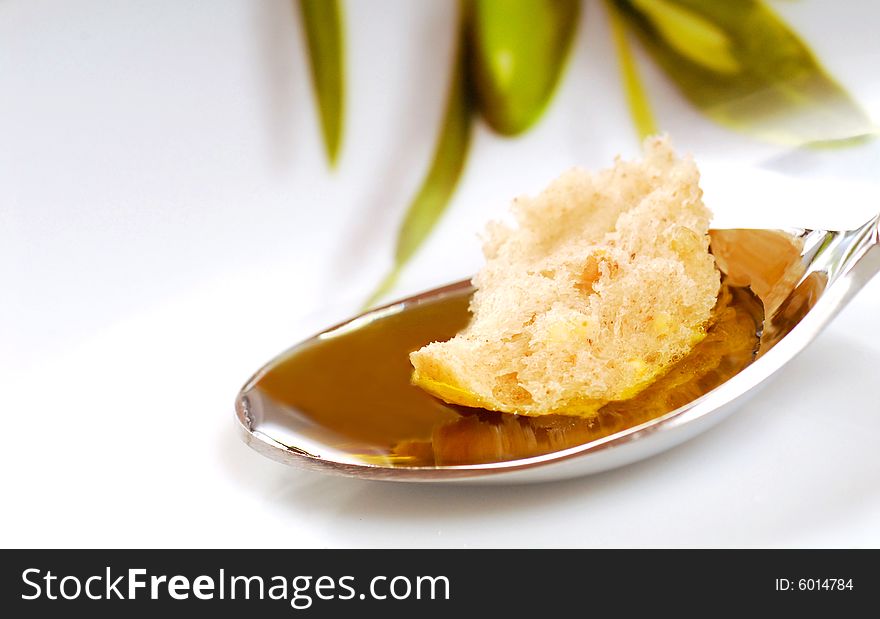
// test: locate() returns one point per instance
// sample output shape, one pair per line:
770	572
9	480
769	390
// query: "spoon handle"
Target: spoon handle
861	259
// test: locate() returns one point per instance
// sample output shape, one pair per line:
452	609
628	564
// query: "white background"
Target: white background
168	223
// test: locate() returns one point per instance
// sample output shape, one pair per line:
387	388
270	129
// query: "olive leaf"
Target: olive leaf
439	184
518	51
323	27
744	68
636	96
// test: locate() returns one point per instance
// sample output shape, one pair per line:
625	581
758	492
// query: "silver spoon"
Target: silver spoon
802	277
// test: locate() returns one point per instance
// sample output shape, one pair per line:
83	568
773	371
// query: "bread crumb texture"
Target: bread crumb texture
605	281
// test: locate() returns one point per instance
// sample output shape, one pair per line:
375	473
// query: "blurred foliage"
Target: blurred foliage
734	60
323	29
636	97
518	49
744	68
439	184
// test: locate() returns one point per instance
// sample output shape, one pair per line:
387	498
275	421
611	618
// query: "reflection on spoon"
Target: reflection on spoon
342	401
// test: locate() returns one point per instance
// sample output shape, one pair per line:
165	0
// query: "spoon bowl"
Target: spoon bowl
800	279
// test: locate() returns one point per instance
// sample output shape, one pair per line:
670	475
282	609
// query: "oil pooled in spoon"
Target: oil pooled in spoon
352	383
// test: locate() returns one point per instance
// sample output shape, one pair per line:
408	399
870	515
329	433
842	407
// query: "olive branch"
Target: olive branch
736	61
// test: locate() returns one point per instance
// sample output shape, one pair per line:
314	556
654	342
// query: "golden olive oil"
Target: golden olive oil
354	382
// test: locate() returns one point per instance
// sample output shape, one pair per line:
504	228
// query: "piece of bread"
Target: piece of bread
606	281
